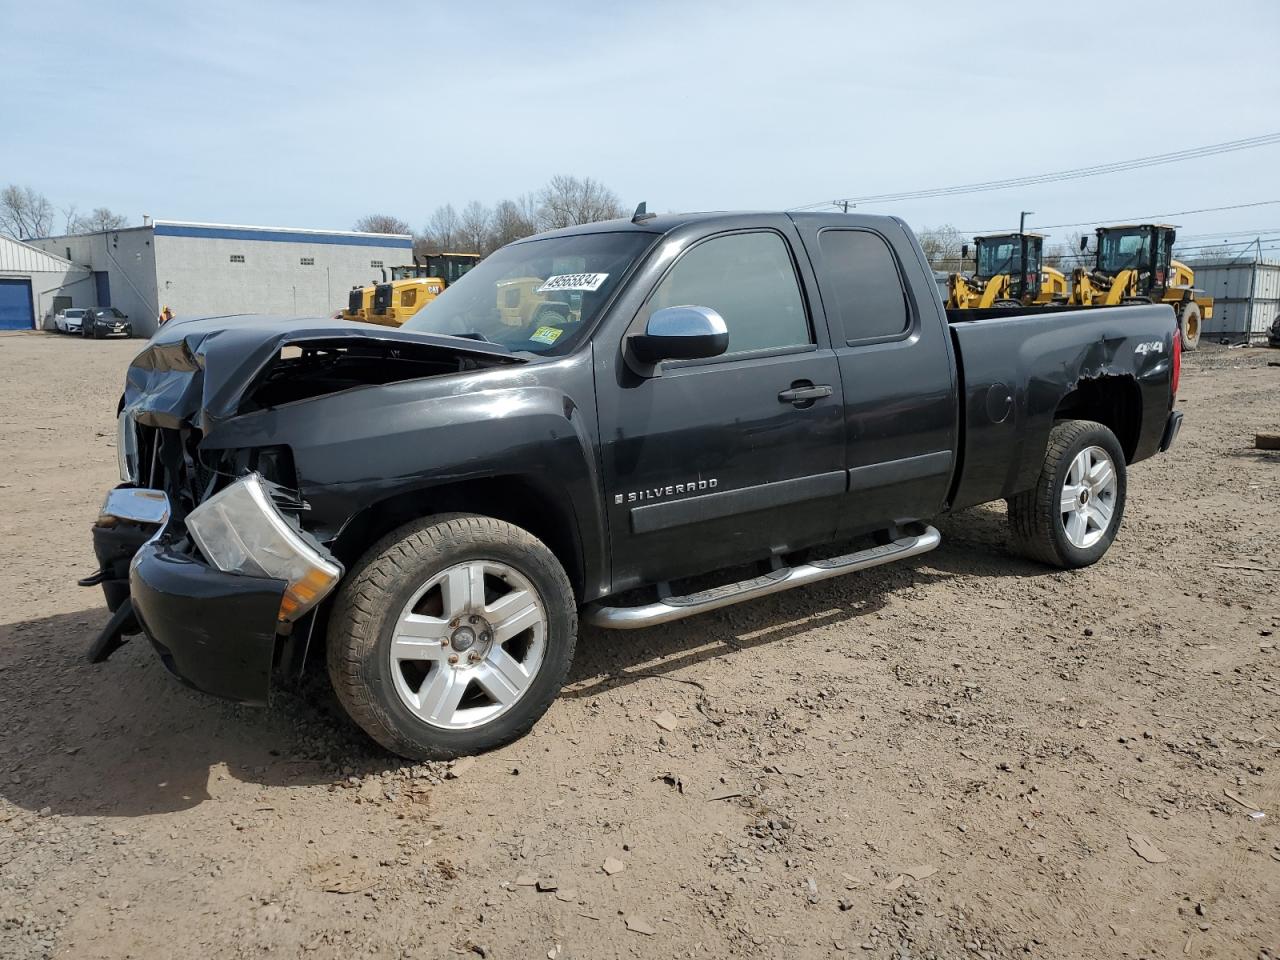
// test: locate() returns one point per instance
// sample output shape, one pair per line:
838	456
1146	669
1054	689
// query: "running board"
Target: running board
677	608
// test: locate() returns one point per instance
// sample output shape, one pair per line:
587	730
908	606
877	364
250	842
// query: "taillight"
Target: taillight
1177	360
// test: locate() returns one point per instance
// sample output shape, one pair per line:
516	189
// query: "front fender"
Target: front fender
361	447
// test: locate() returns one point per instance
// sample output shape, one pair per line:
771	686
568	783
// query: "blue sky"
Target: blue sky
311	114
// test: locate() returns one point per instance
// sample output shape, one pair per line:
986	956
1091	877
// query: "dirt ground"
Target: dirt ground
963	756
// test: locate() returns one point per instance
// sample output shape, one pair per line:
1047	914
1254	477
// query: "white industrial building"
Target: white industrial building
207	269
36	284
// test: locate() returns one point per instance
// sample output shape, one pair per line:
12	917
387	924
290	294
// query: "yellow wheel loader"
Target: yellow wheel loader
1133	263
1009	272
392	302
359	300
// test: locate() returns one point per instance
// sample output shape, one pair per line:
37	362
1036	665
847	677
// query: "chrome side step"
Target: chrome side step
677	608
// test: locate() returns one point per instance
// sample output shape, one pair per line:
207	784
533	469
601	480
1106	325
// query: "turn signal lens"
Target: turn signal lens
1177	360
240	530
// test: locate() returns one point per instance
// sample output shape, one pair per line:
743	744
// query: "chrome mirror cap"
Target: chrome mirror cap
681	333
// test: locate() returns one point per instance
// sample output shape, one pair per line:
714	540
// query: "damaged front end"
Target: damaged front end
202	547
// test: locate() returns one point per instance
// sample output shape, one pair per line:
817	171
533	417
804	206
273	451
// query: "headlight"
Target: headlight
127	447
239	530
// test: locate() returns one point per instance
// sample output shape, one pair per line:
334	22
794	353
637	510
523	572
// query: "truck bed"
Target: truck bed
1019	369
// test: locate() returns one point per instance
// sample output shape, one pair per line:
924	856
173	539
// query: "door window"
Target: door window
748	279
862	275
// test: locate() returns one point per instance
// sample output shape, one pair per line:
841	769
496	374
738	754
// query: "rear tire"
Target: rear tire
1189	325
452	635
1070	517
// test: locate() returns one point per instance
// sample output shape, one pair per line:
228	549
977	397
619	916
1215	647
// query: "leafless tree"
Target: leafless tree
25	214
441	233
942	245
99	221
568	201
380	223
1066	255
512	220
474	227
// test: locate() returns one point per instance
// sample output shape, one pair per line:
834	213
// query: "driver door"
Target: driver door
716	462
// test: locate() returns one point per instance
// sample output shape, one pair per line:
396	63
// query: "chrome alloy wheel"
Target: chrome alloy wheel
468	644
1088	499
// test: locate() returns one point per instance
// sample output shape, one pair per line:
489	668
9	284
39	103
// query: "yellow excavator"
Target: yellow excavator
1133	263
392	302
1009	272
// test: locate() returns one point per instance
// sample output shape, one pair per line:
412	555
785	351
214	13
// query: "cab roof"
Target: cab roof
1011	233
666	222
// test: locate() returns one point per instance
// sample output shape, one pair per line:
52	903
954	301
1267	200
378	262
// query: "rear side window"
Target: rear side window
749	280
863	278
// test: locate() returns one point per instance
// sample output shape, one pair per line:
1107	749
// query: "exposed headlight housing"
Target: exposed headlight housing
240	530
127	447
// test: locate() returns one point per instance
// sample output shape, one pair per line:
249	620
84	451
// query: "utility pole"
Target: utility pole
842	204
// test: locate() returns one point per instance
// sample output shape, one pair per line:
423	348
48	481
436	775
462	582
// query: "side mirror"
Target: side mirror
1084	244
681	333
964	251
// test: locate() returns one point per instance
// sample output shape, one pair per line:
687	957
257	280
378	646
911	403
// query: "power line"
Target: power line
1119	166
1145	218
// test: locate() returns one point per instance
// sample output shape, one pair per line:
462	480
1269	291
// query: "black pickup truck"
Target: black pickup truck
582	422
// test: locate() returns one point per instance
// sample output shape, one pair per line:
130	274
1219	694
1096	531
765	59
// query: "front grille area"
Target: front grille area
355	300
170	460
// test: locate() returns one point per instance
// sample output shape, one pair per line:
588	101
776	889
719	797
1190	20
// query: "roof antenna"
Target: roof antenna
642	213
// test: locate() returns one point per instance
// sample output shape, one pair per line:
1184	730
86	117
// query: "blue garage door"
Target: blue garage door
15	305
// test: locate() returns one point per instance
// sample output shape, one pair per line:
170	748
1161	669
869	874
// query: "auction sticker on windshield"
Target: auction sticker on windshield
589	282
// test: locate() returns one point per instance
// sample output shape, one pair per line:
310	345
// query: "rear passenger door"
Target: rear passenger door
894	354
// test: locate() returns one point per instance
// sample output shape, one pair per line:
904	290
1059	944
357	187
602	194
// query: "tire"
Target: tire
1038	524
395	699
1189	325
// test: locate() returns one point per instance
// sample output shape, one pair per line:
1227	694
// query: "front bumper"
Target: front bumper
214	631
1171	428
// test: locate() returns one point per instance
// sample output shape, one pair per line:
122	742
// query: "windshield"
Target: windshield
1124	251
77	312
999	256
539	295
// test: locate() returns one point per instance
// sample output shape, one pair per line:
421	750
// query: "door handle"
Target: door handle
804	393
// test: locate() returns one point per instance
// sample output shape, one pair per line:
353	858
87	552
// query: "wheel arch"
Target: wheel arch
1115	401
517	499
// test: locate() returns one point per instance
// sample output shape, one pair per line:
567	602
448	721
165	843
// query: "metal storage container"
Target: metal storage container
1246	298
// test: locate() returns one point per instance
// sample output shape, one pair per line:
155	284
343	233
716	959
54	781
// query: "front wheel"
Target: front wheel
452	635
1071	516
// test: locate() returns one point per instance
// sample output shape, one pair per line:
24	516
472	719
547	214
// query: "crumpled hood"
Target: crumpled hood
196	371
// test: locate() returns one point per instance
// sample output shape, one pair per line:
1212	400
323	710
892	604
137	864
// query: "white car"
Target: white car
69	320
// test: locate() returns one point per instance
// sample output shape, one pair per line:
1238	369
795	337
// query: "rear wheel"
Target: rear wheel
1189	325
451	636
1070	518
